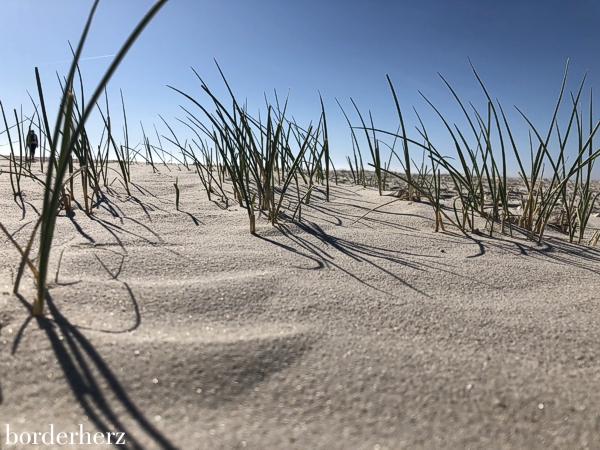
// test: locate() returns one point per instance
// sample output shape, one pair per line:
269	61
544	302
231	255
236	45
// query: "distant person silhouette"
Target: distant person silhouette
32	143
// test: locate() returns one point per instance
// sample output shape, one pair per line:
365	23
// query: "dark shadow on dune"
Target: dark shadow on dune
373	221
33	208
552	249
68	283
19	229
24	302
141	204
19	335
358	252
71	216
147	228
144	191
56	275
236	367
478	242
138	317
327	247
368	217
319	263
136	308
109	228
191	216
222	205
115	275
113	229
311	239
522	249
581	256
86	372
103	201
140	189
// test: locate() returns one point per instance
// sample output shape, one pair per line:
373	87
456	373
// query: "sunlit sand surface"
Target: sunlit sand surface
182	330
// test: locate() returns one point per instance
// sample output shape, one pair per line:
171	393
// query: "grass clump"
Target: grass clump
479	178
67	138
262	159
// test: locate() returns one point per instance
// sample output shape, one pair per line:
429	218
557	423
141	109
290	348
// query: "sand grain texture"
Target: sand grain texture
184	331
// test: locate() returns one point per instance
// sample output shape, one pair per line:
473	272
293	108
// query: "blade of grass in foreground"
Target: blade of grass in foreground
326	148
70	134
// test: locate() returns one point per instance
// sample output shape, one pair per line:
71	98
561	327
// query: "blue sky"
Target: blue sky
341	49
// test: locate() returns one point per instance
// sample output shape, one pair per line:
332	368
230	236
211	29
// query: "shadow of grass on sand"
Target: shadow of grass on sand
91	380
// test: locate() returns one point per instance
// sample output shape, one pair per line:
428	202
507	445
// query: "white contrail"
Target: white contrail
80	59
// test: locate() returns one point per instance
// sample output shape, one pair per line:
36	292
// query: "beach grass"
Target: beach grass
68	137
263	159
268	160
553	185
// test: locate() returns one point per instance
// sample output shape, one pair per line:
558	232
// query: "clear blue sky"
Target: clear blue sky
341	48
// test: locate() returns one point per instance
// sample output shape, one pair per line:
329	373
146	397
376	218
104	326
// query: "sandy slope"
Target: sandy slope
184	331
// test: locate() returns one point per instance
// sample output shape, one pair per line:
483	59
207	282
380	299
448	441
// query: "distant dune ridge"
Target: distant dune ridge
182	330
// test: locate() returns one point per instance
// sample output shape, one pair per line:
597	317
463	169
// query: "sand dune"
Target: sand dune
182	330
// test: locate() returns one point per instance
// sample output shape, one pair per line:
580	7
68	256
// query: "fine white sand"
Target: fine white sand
182	330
